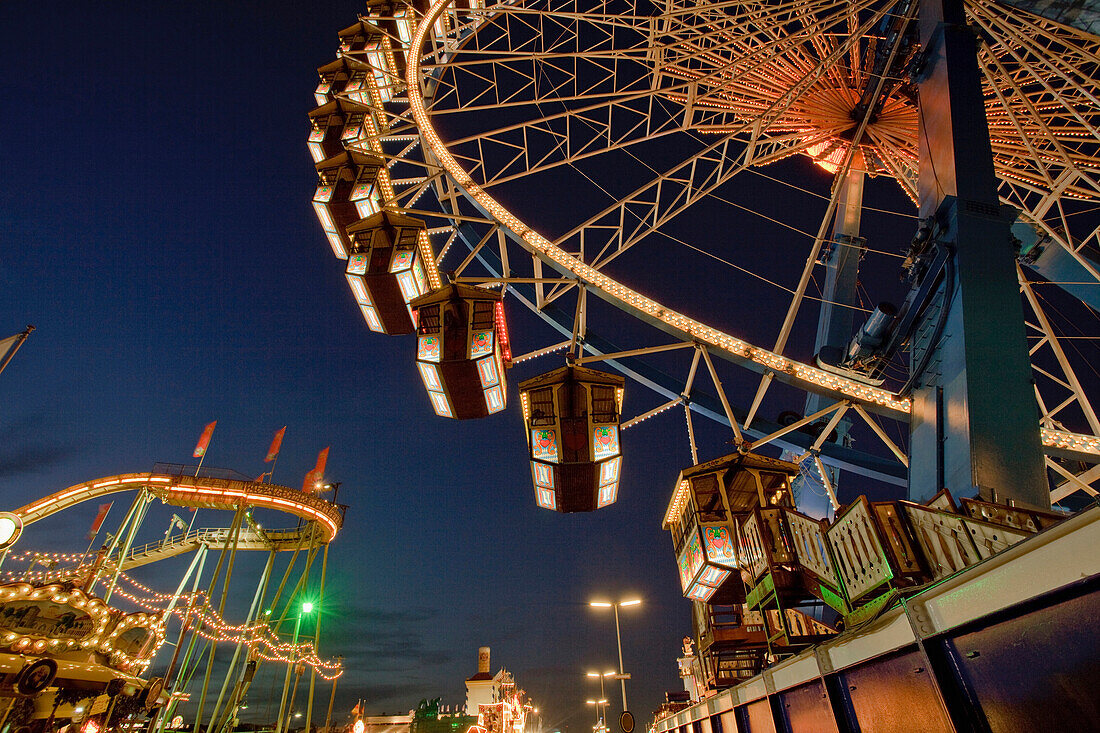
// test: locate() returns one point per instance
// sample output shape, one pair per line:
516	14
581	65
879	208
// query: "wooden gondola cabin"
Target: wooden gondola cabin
702	516
364	43
571	416
347	191
389	265
334	125
346	79
462	350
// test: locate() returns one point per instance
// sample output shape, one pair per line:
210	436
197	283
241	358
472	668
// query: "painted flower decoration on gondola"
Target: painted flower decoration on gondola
685	572
402	260
544	445
428	348
482	343
719	545
605	441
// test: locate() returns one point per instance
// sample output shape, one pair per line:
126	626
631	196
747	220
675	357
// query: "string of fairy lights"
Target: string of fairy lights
61	569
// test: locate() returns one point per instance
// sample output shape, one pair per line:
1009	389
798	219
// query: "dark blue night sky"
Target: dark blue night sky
156	229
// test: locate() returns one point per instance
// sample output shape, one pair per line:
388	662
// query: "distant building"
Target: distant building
484	687
387	723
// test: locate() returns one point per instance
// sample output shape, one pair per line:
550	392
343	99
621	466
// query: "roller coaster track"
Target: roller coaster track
211	493
270	540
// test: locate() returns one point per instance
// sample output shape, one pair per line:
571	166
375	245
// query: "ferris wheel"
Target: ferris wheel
661	156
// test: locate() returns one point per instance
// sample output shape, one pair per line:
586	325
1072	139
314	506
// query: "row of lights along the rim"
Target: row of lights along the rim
388	68
571	415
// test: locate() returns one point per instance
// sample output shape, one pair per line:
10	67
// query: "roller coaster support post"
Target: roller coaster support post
253	610
290	665
244	679
143	500
311	555
332	697
197	562
230	548
134	507
196	567
286	575
316	639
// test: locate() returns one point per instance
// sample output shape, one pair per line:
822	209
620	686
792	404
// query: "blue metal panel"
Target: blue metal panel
1054	263
1035	671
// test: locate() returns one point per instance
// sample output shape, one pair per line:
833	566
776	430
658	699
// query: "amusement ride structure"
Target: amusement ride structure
65	626
477	158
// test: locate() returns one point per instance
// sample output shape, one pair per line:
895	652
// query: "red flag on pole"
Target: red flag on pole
204	440
276	444
98	521
314	477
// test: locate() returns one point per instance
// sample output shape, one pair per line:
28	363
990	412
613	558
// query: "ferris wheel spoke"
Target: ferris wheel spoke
899	162
537	80
746	66
1072	484
791	94
1043	88
1069	379
671	196
804	280
842	405
1031	128
881	434
566	139
631	219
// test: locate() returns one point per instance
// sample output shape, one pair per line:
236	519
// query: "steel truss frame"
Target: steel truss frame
597	107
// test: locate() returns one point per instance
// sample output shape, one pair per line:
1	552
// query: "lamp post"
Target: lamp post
602	702
305	608
618	637
601	677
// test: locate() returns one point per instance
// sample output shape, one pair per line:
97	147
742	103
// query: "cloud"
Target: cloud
19	455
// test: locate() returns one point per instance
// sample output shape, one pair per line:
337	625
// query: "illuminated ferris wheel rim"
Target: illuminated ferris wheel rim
731	348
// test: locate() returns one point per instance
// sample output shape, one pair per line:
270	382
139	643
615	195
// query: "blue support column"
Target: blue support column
835	324
975	424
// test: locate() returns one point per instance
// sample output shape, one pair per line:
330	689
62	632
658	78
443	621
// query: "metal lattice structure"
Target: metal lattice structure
471	107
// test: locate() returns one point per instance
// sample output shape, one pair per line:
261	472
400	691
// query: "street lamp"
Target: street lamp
618	637
602	702
601	676
305	608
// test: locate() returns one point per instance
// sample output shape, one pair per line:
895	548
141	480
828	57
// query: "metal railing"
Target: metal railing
212	536
181	469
